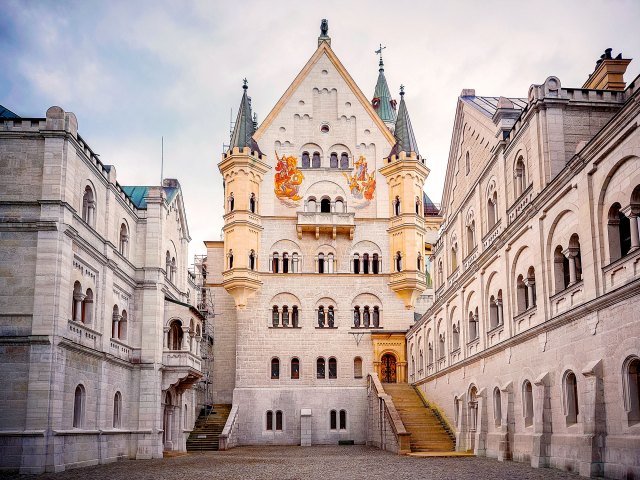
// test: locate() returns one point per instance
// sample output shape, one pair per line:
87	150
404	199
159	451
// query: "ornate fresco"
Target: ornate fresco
362	184
287	180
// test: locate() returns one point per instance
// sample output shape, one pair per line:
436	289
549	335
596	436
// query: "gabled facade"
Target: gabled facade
530	349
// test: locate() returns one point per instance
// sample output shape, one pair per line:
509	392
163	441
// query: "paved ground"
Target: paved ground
322	463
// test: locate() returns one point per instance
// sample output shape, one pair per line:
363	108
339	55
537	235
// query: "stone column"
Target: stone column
192	347
571	253
541	423
500	312
78	298
91	212
531	283
591	451
633	213
504	450
476	322
185	338
115	321
197	346
165	342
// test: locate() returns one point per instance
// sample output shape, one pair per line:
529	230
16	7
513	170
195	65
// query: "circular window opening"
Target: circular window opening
324	128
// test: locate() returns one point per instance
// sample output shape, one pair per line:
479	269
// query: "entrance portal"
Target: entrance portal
388	368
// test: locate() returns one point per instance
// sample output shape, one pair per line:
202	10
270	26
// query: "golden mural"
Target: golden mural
362	183
287	180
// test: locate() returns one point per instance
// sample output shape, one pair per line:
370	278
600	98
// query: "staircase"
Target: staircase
428	432
208	428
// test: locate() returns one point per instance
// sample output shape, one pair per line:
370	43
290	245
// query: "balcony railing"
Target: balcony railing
622	270
330	222
470	259
453	277
84	335
567	298
490	237
521	203
179	358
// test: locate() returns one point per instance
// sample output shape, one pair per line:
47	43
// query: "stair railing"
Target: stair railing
229	436
390	432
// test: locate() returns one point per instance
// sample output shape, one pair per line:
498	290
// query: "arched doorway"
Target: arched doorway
388	368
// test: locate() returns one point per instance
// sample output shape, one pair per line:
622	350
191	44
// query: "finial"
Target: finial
324	27
379	52
401	90
244	84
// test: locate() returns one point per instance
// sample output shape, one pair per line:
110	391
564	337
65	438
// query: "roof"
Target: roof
138	194
244	128
6	113
382	102
405	138
430	208
489	105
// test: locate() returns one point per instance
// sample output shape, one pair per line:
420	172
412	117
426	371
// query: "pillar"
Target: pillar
165	342
500	312
114	325
635	235
571	253
78	298
530	283
185	338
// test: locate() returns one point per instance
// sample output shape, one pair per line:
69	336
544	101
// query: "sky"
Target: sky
136	71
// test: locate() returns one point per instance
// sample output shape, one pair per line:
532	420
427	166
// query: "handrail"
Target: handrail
226	440
391	415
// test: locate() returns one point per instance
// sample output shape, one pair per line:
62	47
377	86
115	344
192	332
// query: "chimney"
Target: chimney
609	73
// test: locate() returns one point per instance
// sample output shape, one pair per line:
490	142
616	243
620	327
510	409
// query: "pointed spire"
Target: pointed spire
382	102
405	139
244	127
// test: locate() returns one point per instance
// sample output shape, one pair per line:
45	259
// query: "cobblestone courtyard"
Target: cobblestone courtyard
322	463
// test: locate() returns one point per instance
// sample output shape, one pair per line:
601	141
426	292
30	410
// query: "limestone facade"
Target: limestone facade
99	346
531	349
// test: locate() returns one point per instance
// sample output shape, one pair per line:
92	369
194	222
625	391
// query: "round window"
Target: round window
324	128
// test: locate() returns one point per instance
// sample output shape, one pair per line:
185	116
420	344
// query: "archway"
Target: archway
388	368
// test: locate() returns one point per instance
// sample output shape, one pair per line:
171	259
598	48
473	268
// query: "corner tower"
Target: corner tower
242	167
406	172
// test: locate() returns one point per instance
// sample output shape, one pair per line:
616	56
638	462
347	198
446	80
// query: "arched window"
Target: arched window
441	346
417	206
429	355
561	269
330	317
117	410
366	317
321	316
356	263
492	210
230	255
454	257
471	236
285	263
376	264
456	336
295	368
269	420
76	302
275	263
493	312
333	368
376	317
295	263
275	317
396	206
473	326
339	206
398	262
78	407
294	317
278	420
631	385
531	287
527	403
231	202
115	321
320	368
173	270
306	163
87	307
357	367
440	274
321	263
343	419
365	263
275	368
333	160
122	326
285	316
571	398
333	420
252	203
252	260
175	335
456	411
89	206
325	205
575	259
315	161
330	263
344	160
473	409
311	205
419	262
467	164
497	407
124	240
520	177
521	294
356	316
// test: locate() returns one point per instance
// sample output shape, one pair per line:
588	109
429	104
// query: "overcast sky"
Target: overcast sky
133	71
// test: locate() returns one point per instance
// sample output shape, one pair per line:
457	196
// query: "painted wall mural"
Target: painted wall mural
362	184
287	180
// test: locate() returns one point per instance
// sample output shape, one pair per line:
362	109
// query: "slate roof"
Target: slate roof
138	194
385	108
489	105
245	127
430	208
6	113
405	138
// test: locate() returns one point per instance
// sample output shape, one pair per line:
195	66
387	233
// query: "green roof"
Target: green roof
405	138
138	194
245	126
383	104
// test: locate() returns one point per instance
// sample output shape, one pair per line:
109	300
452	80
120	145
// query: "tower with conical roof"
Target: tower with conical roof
406	172
242	167
382	102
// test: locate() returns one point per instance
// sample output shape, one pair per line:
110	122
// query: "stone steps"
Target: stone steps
207	429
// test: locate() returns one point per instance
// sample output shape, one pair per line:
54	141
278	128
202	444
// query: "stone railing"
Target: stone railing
453	277
490	237
439	291
567	298
470	259
524	320
455	355
386	430
180	358
622	270
120	350
326	218
229	436
80	333
521	203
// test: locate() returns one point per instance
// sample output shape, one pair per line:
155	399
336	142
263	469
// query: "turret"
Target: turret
242	167
382	102
406	172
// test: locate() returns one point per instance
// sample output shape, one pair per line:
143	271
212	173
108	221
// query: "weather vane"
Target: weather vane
379	52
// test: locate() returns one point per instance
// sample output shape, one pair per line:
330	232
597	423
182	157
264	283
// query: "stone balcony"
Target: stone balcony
80	333
521	203
326	222
180	368
242	216
470	259
490	237
406	219
621	271
567	298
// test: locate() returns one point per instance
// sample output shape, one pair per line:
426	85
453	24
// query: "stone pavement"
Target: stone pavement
310	463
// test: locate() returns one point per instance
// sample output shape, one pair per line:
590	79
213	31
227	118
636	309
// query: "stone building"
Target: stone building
532	347
323	257
99	345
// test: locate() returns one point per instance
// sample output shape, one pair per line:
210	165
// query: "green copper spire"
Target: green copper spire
382	102
244	126
405	139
